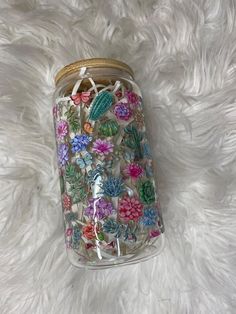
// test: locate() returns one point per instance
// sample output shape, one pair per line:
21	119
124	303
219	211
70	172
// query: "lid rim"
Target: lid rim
92	63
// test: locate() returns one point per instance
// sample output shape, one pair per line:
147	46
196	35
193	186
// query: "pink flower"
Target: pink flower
132	98
154	233
133	170
61	129
69	232
130	208
102	147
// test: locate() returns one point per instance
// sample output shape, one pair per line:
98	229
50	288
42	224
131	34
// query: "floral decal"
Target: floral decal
67	202
99	207
102	147
147	192
108	193
61	129
150	216
91	231
80	142
133	98
113	187
133	170
122	111
130	208
63	154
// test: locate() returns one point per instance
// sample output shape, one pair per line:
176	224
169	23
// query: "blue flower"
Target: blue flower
149	218
113	186
80	142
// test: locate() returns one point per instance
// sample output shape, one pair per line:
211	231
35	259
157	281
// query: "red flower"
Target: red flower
130	208
90	231
67	202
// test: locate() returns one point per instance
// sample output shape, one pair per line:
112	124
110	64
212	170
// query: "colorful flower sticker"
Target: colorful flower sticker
133	170
63	154
122	111
130	208
61	129
102	147
80	142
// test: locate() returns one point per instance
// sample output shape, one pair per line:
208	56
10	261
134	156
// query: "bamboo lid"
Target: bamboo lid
92	63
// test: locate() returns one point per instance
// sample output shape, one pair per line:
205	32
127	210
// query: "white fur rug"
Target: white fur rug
184	56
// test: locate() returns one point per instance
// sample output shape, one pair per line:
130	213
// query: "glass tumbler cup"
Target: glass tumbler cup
109	198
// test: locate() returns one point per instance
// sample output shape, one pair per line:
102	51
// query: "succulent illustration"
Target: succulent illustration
113	227
113	186
147	192
134	140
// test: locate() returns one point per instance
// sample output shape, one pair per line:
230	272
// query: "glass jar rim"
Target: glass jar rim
92	63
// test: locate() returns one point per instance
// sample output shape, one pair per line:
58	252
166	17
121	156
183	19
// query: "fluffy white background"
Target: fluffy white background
184	56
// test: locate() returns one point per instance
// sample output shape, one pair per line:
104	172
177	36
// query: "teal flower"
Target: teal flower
113	186
113	227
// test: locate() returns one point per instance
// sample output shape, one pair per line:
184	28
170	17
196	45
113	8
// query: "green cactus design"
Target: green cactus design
101	103
109	128
134	140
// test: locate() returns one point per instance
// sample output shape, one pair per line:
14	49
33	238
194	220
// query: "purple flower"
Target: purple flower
61	129
63	155
99	207
122	111
80	142
132	98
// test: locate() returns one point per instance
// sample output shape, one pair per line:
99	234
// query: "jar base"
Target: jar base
145	253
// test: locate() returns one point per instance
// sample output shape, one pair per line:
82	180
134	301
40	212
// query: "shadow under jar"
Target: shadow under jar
109	198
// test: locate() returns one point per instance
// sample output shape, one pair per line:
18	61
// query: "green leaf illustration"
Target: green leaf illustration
73	118
77	184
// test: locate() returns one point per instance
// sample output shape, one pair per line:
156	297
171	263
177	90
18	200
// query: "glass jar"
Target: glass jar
109	198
